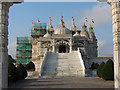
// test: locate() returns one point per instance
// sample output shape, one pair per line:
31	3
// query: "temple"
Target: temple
55	49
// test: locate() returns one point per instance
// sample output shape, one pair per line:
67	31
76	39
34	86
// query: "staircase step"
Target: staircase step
62	64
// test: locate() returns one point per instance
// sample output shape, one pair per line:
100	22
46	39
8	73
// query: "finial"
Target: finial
50	20
93	21
86	19
61	20
62	17
38	20
73	20
32	22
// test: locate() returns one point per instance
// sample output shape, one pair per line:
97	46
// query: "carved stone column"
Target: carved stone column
116	40
4	10
70	45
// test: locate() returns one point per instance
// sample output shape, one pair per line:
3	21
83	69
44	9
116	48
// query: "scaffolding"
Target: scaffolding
39	29
24	50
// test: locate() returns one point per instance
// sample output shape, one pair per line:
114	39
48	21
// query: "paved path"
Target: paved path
66	82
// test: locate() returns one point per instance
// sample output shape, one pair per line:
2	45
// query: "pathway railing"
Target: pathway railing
81	61
43	61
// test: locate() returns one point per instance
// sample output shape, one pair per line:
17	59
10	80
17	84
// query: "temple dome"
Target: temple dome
62	30
76	34
47	35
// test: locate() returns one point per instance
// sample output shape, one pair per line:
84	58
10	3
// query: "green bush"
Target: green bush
10	59
94	66
12	72
99	69
108	70
30	66
22	71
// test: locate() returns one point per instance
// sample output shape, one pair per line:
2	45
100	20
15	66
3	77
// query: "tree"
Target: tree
10	59
99	69
12	72
30	66
94	66
22	71
108	70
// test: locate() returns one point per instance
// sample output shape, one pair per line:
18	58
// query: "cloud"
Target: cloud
105	47
12	49
100	13
101	43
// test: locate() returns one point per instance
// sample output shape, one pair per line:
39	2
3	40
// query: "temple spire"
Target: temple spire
50	20
50	26
62	24
73	20
61	20
91	33
73	28
84	31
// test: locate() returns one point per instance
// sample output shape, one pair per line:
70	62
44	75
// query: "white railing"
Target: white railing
43	61
81	61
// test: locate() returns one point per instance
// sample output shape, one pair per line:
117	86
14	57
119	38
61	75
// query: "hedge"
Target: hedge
108	70
22	71
99	69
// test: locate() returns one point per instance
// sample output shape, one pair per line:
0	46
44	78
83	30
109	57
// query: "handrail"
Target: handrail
82	62
43	61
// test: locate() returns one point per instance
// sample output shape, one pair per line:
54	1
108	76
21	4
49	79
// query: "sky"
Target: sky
21	16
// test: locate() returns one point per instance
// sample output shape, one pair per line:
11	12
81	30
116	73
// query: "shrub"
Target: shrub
10	59
94	66
107	72
30	66
22	71
99	69
12	72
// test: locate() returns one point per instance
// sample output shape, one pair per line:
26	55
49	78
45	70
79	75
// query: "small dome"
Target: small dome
62	30
76	34
47	35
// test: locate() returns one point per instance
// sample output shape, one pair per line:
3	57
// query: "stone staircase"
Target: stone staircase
62	64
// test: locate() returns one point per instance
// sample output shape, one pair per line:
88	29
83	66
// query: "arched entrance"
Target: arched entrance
62	49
